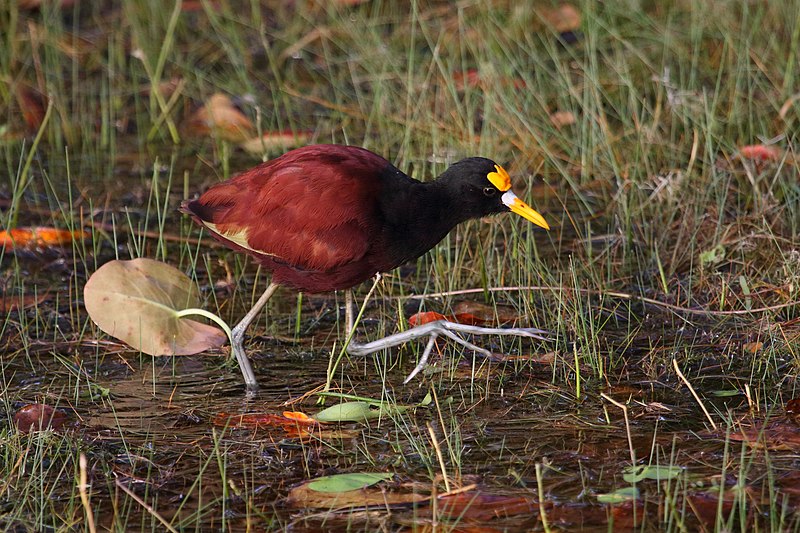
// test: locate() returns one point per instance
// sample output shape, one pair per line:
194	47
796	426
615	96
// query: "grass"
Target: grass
647	191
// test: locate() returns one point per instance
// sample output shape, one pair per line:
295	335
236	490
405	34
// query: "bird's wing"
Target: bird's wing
314	217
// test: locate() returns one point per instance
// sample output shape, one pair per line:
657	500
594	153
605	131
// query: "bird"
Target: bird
328	217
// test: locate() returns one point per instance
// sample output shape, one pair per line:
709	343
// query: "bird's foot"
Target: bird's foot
432	330
237	350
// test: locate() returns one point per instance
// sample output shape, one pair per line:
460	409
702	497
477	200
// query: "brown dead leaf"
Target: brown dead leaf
38	416
303	497
33	105
563	18
477	313
219	117
779	435
479	505
10	303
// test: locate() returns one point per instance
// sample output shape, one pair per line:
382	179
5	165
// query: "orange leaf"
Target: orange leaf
299	417
40	237
424	317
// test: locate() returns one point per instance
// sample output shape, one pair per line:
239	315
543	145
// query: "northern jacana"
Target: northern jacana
328	217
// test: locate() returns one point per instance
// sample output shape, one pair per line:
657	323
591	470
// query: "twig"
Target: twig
438	449
147	507
627	424
612	294
540	485
691	389
84	495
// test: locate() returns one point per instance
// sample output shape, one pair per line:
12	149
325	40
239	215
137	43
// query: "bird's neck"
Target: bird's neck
427	215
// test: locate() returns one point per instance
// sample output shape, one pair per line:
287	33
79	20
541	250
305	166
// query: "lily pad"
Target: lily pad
138	302
619	496
656	472
347	482
357	411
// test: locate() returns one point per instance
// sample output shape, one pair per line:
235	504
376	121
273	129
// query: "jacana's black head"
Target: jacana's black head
482	187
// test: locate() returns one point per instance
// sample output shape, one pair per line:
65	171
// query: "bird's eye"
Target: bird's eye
489	191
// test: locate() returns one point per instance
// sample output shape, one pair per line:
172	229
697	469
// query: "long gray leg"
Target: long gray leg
430	330
238	337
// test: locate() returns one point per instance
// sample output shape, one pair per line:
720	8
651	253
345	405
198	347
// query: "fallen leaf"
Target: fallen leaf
20	301
357	412
752	347
33	105
638	473
620	495
775	436
39	237
219	117
471	78
38	416
137	302
259	420
482	506
477	314
425	317
281	140
348	482
760	152
563	18
302	496
559	119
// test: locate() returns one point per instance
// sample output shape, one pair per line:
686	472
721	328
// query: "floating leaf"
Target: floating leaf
352	412
656	472
138	302
281	140
39	237
347	482
619	495
360	493
481	506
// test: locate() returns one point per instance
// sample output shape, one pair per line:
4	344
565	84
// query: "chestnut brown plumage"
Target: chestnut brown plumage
328	217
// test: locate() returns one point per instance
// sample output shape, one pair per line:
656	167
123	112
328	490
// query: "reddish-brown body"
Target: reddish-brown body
315	216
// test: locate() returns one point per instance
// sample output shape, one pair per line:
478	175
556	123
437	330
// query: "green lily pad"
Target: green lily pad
348	482
619	496
656	472
352	412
